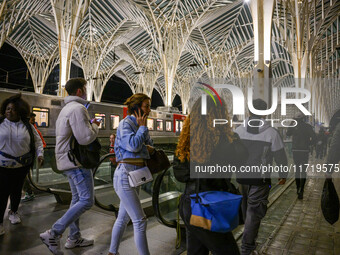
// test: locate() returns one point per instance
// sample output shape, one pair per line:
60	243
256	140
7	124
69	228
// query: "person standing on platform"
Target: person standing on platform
73	120
264	143
19	143
303	138
29	195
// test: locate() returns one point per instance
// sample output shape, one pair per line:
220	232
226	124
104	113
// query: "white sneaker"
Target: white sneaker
2	229
80	242
52	242
14	217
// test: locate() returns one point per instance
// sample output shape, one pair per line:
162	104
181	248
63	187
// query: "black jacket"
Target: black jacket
224	153
303	136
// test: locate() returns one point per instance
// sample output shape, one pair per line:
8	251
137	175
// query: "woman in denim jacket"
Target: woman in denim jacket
132	147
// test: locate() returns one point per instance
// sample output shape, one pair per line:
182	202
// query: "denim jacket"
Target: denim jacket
131	140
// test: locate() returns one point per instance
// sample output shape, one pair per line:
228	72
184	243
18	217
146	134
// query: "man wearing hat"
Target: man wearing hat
303	136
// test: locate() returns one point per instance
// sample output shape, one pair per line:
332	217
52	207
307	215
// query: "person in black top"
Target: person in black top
202	144
303	137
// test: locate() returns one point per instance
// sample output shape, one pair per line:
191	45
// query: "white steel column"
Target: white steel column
262	13
68	16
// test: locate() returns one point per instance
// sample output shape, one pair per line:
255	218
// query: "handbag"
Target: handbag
330	202
216	211
139	177
158	162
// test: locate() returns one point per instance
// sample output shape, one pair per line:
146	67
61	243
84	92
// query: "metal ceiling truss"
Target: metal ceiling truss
165	45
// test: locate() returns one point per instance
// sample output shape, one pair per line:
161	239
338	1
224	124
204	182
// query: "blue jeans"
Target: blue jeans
81	183
130	207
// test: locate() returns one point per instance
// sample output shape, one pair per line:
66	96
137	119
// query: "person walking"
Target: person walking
73	120
200	144
303	138
132	148
264	143
19	143
29	194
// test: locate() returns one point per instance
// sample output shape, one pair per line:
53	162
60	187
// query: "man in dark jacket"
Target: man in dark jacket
264	143
303	136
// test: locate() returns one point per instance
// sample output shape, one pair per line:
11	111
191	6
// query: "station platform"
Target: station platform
39	215
291	226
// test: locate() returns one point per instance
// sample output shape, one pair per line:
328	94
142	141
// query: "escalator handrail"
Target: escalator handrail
110	207
32	182
36	186
155	201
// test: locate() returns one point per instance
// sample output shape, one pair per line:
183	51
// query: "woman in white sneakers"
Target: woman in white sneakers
19	143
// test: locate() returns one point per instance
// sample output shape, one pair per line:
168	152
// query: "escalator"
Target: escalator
107	199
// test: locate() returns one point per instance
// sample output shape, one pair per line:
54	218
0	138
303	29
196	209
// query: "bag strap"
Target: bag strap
70	153
197	189
30	131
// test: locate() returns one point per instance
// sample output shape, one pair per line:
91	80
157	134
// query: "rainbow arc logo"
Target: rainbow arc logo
209	93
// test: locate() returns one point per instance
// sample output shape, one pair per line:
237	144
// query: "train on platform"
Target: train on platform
164	126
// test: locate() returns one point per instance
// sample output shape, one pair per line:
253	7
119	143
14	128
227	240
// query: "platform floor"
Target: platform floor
291	226
39	214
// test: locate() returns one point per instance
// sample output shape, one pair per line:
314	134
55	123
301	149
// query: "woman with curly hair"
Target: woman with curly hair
19	142
200	143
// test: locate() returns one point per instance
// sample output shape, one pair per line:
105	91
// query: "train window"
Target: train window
150	124
102	117
42	116
179	125
114	121
160	125
168	126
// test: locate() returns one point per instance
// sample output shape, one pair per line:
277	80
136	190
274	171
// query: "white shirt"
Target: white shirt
15	141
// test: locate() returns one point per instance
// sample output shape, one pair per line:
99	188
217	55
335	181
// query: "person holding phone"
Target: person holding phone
132	148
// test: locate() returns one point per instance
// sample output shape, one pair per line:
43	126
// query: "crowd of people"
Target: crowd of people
21	144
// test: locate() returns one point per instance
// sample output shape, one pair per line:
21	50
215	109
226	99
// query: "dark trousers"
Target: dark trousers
254	208
200	241
11	182
319	151
300	159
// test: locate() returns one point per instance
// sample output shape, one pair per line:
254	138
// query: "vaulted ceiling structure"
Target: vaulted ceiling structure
167	45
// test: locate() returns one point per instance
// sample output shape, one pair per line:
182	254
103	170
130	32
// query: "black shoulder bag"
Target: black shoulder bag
87	155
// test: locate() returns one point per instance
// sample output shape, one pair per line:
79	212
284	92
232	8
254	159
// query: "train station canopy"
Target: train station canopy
166	44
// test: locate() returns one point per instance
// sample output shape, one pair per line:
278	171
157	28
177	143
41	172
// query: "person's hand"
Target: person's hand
151	149
141	119
282	181
40	160
96	121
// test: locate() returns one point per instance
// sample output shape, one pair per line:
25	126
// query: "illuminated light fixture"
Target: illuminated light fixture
246	1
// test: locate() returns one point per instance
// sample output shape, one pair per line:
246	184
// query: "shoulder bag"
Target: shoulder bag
216	211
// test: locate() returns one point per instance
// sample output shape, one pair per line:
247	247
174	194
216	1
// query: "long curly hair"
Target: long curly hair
199	137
